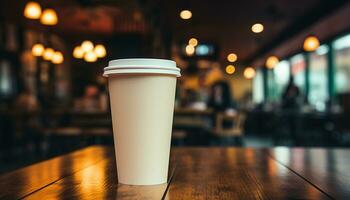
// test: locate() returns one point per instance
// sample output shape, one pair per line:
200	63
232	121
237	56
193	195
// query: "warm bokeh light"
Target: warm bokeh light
87	46
190	50
257	28
90	56
32	10
230	69
232	57
185	14
249	73
78	52
193	42
57	58
38	50
271	62
100	51
311	43
49	17
48	52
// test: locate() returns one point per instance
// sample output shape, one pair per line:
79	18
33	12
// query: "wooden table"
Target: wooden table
199	173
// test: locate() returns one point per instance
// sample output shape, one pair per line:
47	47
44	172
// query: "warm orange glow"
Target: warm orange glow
185	14
232	57
193	42
311	43
249	73
48	53
57	58
38	50
271	62
230	69
87	46
49	17
32	10
257	28
90	56
190	50
78	52
100	51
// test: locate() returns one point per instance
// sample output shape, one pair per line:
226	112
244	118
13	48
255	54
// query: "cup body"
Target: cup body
142	107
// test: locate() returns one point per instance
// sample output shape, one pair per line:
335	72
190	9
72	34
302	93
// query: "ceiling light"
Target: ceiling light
231	57
48	52
249	73
190	50
230	69
32	10
90	56
311	43
87	46
100	51
57	58
49	17
185	14
193	42
257	28
78	52
38	50
271	62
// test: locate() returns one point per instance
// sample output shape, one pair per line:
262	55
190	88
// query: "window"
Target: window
6	83
282	74
318	94
258	87
298	71
342	64
271	86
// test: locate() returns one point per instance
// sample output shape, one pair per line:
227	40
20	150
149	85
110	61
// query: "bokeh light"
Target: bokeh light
32	10
249	73
230	69
49	17
232	57
38	50
257	28
311	43
185	14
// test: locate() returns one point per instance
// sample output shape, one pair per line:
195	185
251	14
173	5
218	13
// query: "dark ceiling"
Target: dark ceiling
228	23
223	22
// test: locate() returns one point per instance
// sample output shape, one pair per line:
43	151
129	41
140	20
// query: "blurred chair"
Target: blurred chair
235	132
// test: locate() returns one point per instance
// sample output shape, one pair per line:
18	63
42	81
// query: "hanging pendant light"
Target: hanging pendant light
38	49
271	62
32	10
57	57
100	51
49	17
311	43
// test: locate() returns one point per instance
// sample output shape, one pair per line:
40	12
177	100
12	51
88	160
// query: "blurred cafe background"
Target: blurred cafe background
255	73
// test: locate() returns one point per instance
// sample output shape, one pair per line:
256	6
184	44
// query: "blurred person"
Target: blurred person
291	98
220	97
221	102
203	92
291	103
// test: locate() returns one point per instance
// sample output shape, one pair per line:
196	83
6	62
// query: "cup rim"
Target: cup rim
141	65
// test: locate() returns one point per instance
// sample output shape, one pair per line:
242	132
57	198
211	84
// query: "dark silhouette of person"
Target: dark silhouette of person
291	96
290	105
220	97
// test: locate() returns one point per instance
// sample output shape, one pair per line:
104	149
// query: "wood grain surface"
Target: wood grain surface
199	173
326	169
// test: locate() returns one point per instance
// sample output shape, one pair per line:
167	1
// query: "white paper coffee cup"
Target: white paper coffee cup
142	94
